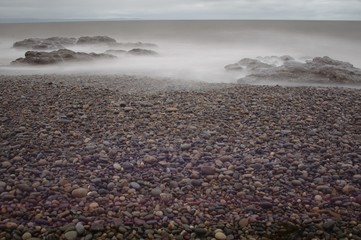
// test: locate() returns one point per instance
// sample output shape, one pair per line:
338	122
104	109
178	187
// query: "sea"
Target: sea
188	49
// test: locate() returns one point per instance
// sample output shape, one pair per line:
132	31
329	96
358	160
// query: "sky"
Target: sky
13	10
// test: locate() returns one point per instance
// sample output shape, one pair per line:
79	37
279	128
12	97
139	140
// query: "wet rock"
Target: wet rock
117	166
142	52
45	43
248	64
59	56
97	226
95	40
319	70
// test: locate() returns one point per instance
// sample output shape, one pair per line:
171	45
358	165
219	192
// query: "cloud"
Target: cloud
185	9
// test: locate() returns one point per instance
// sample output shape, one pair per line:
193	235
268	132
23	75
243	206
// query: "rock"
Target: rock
96	40
319	70
318	198
142	52
348	189
149	159
185	146
71	235
251	65
134	185
200	231
135	45
6	164
117	166
79	192
156	192
220	236
208	170
197	182
266	205
24	187
172	109
243	222
328	224
97	226
115	52
59	56
45	43
26	236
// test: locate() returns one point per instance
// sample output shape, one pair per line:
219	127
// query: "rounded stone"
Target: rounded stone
220	236
79	228
117	166
79	192
134	185
71	235
318	198
26	236
156	192
208	170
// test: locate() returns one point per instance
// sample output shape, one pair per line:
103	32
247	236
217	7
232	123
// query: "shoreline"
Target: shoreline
128	157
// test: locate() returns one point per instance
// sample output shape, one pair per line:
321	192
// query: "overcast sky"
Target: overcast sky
181	9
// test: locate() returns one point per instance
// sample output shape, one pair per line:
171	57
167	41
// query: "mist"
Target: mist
196	51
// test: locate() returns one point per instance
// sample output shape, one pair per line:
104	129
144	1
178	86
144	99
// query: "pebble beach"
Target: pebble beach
123	157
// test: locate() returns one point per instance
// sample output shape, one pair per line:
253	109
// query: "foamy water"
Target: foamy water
191	50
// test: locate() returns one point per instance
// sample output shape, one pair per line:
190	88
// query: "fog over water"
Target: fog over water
191	50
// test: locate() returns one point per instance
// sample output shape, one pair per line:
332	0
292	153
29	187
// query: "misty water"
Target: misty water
189	50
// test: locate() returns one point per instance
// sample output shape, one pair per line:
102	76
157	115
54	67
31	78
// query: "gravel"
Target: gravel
121	157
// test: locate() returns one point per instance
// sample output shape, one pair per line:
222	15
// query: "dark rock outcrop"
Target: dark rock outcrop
142	52
318	70
115	52
248	64
135	45
96	40
59	56
45	43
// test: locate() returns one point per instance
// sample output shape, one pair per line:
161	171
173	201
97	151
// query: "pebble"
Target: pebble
79	227
134	185
117	166
79	192
208	170
348	188
220	236
26	236
71	235
156	192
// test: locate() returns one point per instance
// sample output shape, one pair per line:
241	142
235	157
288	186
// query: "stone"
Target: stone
319	70
71	235
79	227
97	226
243	222
142	52
318	198
59	56
348	189
117	166
220	236
208	170
134	185
79	192
185	146
96	40
156	192
149	159
26	236
45	43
